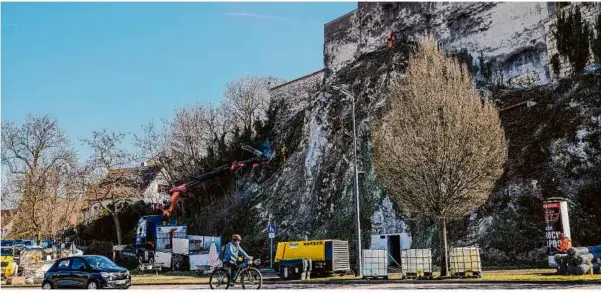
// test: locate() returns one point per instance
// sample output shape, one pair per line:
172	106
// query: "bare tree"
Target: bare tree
180	146
218	126
154	147
107	180
247	99
440	148
37	153
10	192
63	202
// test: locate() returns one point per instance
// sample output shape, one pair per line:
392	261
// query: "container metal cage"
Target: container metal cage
375	263
465	262
416	263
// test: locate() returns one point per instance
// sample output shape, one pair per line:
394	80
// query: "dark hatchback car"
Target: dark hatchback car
87	271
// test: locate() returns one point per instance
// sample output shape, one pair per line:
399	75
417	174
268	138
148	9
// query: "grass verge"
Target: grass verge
539	278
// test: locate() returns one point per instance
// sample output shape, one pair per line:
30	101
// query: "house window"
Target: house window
163	188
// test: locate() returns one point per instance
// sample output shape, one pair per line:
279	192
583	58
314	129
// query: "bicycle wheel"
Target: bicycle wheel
219	279
251	278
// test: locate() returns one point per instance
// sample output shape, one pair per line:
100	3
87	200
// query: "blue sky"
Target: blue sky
121	65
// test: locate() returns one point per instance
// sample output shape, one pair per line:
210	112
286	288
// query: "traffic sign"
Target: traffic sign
271	235
271	229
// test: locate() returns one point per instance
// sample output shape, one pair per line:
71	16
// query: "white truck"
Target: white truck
162	246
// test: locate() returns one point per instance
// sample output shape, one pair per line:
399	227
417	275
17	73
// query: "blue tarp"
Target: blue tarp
266	150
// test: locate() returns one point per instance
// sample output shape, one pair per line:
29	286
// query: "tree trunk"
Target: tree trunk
117	227
444	266
38	238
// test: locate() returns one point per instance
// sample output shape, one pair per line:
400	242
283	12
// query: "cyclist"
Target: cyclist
232	258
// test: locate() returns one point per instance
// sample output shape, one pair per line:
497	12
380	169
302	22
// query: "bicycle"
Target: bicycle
248	274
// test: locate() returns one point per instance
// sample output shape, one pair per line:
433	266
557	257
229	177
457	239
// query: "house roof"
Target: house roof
131	181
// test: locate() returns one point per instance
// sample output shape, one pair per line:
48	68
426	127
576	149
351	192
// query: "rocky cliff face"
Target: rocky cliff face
554	146
554	150
506	41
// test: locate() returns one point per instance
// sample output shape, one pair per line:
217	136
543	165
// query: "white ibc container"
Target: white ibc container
375	263
465	259
416	261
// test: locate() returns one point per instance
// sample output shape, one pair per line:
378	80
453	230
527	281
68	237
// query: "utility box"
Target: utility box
375	263
465	262
416	263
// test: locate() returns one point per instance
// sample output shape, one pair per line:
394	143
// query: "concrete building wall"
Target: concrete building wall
341	41
295	95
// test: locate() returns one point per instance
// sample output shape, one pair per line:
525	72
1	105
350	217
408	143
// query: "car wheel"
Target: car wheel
47	286
92	285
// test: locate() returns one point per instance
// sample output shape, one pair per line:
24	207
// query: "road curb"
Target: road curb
433	282
341	282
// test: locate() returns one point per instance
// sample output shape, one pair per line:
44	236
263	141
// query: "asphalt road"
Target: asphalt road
480	286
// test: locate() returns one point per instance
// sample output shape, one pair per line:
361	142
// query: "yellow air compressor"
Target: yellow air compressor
327	257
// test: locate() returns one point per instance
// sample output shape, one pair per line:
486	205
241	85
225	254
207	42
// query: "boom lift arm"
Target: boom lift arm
175	192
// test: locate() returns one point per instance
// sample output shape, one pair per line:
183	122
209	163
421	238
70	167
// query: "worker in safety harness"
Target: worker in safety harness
564	243
234	255
390	39
284	151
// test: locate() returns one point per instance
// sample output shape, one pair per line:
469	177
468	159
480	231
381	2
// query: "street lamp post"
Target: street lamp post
359	264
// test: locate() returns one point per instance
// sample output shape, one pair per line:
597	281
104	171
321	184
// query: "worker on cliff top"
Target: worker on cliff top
564	243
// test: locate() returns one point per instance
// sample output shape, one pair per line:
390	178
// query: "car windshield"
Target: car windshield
99	262
7	252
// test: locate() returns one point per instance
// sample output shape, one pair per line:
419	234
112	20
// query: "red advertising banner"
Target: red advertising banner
552	205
